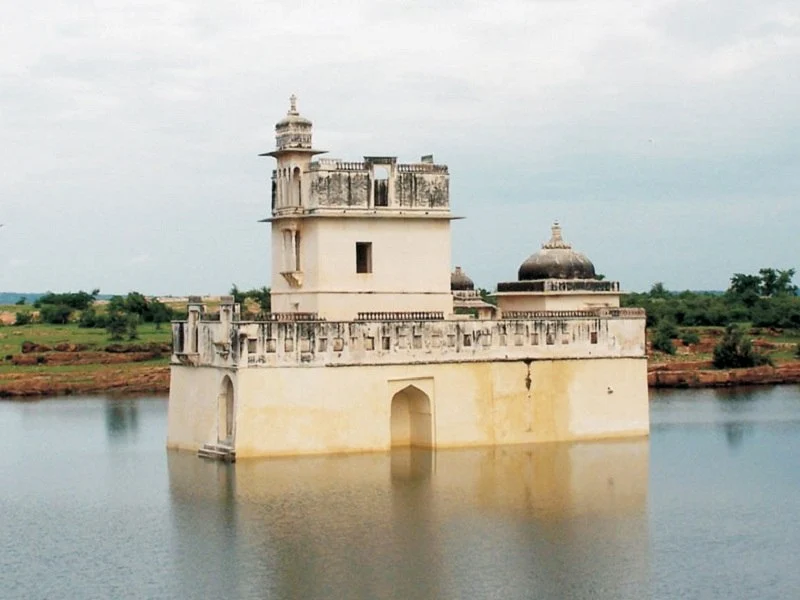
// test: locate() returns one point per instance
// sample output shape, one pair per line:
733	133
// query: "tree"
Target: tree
658	290
132	326
159	313
783	283
116	324
23	318
238	295
663	336
735	351
769	282
75	300
55	314
21	301
745	288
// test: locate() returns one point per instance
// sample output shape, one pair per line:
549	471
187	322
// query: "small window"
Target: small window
363	257
593	337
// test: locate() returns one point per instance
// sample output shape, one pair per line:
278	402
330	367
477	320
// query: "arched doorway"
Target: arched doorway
226	412
296	187
411	419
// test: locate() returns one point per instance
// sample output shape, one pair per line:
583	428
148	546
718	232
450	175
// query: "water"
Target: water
92	506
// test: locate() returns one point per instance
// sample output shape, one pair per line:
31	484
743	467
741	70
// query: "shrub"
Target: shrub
23	318
735	351
689	337
55	314
663	335
116	325
131	326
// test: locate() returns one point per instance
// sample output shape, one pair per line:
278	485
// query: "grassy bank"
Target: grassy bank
42	359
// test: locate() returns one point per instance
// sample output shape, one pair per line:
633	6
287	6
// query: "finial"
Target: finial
556	241
292	104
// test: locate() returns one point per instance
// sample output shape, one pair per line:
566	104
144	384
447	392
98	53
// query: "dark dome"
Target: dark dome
556	260
460	282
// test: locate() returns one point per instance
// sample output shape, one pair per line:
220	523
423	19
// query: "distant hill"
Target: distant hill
12	297
31	297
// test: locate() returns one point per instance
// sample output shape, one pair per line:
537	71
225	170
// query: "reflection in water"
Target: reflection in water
736	403
122	418
558	520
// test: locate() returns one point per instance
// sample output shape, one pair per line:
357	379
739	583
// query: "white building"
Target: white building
363	351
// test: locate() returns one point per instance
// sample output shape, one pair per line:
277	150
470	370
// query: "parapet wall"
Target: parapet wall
616	333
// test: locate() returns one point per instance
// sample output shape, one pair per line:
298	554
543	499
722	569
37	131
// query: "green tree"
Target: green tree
769	282
75	300
23	318
689	337
783	283
663	335
658	290
55	314
735	351
238	295
116	324
21	301
132	326
159	313
745	288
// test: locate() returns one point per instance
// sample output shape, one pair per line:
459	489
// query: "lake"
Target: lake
93	506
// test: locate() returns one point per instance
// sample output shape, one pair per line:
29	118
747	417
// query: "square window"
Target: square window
363	257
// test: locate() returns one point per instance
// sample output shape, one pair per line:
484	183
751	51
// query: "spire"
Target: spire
556	241
292	105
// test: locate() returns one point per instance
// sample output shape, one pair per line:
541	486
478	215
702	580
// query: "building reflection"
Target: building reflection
122	418
558	520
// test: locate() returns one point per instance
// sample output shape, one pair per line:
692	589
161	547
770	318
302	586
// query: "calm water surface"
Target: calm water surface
92	506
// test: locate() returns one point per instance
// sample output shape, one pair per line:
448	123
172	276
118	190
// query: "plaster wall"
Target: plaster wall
521	302
406	275
285	411
193	415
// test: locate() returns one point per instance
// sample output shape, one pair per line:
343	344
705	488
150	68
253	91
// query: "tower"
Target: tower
356	237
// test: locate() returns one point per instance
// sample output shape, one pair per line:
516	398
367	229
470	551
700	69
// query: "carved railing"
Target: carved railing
421	168
401	316
337	165
629	313
551	314
291	317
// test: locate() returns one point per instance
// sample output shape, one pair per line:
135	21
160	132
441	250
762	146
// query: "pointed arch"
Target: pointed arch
411	418
226	420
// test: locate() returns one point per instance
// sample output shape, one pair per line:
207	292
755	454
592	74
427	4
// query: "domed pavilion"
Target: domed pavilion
556	278
467	298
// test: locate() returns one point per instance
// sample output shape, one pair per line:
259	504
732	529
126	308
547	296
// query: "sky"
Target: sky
664	135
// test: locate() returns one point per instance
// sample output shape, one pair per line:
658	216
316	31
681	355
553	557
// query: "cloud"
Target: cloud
132	124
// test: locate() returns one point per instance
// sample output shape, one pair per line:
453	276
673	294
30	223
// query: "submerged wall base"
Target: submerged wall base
318	410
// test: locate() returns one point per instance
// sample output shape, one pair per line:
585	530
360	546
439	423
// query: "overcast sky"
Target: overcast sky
663	134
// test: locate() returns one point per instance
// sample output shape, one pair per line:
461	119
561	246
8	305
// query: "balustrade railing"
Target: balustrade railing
401	316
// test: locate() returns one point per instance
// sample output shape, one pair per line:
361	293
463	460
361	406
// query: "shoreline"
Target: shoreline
142	379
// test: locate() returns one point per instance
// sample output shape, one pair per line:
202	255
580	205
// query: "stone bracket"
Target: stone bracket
295	278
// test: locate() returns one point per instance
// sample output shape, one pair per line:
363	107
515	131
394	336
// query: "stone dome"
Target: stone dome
293	117
556	260
459	282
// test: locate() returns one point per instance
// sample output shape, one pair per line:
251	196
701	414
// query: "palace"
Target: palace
373	343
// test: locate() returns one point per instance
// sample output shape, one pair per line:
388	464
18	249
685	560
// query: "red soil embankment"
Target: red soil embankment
701	374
